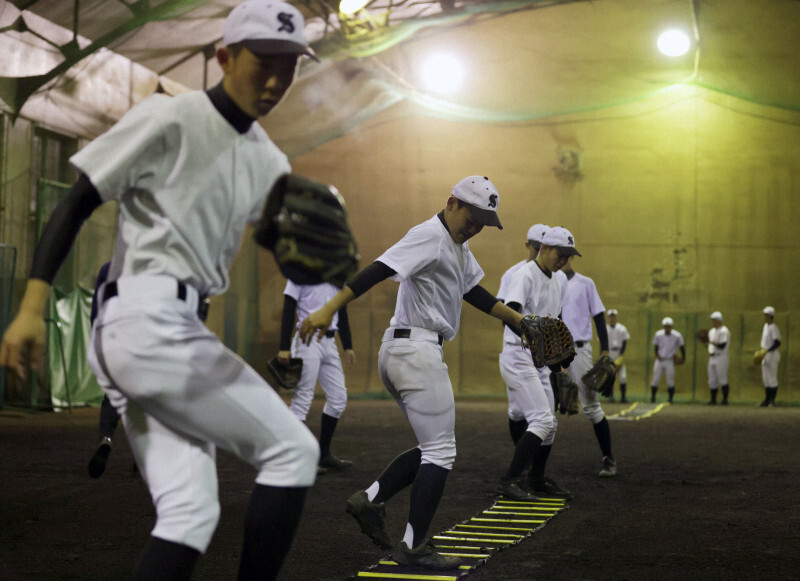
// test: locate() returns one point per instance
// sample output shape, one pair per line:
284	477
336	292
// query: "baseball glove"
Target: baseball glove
285	376
702	335
566	392
601	376
758	356
548	339
677	359
304	224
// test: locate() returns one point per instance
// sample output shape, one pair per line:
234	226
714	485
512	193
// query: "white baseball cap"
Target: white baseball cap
482	197
667	322
536	232
717	316
267	27
769	311
612	312
561	238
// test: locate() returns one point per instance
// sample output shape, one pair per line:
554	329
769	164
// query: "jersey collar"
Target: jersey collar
229	110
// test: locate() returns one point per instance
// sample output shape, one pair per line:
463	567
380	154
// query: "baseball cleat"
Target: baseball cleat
424	556
609	468
511	490
548	487
331	462
97	465
369	516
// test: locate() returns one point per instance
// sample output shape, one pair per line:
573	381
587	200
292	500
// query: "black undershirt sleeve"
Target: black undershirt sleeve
480	298
287	322
775	345
369	277
602	332
624	344
344	329
518	308
62	228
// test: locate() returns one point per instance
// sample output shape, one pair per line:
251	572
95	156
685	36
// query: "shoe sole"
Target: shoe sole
366	527
518	498
97	465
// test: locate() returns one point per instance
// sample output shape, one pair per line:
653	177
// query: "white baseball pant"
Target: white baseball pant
769	368
718	370
577	369
526	395
321	362
414	372
622	373
181	394
664	367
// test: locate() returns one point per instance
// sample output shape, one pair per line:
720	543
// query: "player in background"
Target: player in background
517	424
582	305
188	173
321	362
437	272
666	343
533	289
719	339
770	341
617	342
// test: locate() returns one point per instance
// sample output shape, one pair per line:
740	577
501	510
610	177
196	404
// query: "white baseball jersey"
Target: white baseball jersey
505	280
667	345
537	294
160	162
769	335
769	365
434	273
617	335
718	335
581	304
309	298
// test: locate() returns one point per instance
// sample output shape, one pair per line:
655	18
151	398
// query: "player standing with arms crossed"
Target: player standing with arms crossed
719	339
582	304
321	362
666	343
770	341
617	342
533	289
188	172
436	271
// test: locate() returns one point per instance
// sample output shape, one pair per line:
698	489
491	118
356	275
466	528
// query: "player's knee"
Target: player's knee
542	426
335	407
594	412
440	453
190	522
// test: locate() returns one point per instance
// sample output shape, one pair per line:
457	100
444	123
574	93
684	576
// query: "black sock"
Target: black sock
603	433
526	448
653	391
671	391
425	496
517	428
725	391
326	430
269	528
623	388
713	396
400	473
109	418
165	560
539	464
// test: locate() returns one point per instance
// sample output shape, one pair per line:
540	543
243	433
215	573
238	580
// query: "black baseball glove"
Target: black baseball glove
600	377
548	339
304	224
566	393
285	376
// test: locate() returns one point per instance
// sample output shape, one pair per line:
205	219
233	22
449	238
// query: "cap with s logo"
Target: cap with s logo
482	197
561	238
267	27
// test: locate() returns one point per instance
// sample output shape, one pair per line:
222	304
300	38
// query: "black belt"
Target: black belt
580	344
111	291
406	334
330	334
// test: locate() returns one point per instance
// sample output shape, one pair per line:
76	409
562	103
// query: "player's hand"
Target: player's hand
349	357
284	356
23	344
316	323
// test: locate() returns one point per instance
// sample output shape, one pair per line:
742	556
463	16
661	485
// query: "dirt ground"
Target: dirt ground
702	493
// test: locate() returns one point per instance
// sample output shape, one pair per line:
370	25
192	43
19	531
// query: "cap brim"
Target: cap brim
485	217
568	250
268	46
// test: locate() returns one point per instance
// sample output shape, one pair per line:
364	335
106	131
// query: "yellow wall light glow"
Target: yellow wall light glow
442	73
673	43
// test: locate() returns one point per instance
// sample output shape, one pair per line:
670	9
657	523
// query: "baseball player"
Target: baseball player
534	289
617	342
666	342
581	306
321	363
517	424
188	173
436	271
718	360
770	341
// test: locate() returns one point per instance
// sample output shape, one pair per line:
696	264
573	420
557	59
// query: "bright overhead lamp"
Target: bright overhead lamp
442	73
351	6
673	43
